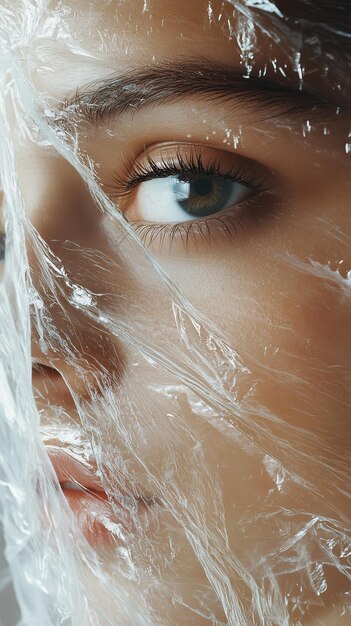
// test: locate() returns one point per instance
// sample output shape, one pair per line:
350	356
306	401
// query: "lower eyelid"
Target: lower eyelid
230	224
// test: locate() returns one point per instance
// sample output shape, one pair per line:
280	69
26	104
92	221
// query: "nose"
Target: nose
71	375
68	254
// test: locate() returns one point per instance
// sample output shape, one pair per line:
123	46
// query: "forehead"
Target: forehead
75	42
78	41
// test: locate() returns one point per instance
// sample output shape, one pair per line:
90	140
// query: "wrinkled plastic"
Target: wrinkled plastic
196	387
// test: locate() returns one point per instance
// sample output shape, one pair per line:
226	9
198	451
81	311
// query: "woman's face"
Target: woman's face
205	372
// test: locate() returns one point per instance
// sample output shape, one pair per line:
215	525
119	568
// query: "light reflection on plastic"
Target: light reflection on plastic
212	479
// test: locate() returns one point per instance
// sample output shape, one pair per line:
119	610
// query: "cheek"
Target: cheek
56	200
290	328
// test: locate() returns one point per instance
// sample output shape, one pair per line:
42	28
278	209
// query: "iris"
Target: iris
201	195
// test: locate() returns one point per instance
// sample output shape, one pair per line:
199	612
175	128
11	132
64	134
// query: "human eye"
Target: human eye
179	190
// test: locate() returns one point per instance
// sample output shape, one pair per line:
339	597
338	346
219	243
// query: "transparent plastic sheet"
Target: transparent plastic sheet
174	433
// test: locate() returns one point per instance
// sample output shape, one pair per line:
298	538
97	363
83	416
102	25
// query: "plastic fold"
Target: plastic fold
175	268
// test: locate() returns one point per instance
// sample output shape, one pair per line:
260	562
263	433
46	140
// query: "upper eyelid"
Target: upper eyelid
164	171
246	170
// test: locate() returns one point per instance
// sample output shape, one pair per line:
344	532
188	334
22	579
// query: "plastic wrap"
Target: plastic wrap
175	375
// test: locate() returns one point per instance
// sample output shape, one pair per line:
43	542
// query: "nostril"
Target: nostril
49	385
44	370
41	373
70	381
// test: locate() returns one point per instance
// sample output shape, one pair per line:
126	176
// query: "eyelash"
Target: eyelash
134	174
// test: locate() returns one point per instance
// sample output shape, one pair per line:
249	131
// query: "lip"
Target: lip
70	468
105	520
104	523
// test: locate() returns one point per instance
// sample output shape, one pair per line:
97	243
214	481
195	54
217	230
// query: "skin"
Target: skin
285	319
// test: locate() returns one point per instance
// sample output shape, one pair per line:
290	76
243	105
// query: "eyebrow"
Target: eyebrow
144	87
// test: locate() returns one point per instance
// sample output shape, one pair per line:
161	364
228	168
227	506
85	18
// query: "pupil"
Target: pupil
202	186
